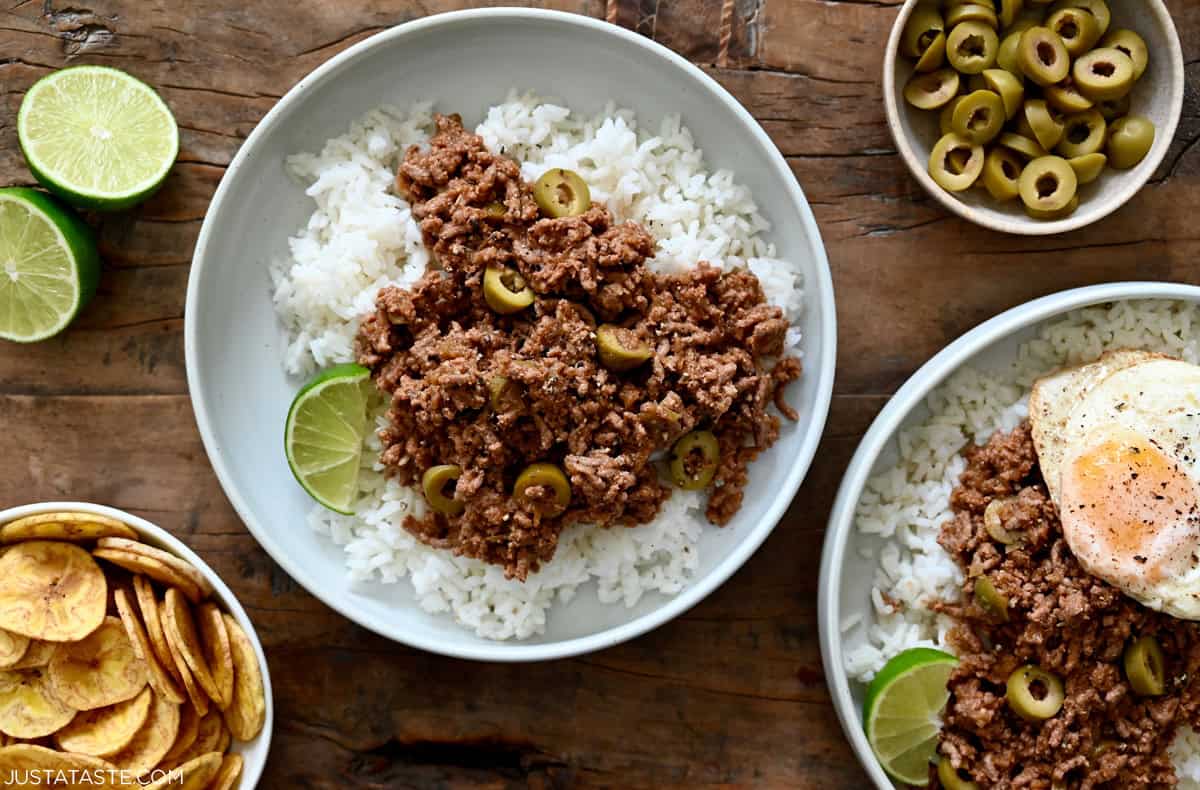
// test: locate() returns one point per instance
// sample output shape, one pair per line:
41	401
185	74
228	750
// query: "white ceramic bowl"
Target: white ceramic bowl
464	62
1158	95
845	584
254	752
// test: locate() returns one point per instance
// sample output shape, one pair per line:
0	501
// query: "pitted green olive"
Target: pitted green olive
1088	168
979	117
1009	87
951	779
1103	74
972	47
948	175
1008	12
1077	29
920	31
1053	216
934	56
434	483
933	90
1043	57
1145	667
1026	147
993	517
1066	98
1084	134
546	476
991	600
1048	184
1132	45
1007	58
505	290
694	460
1097	8
946	119
1034	694
620	349
972	12
562	193
1129	140
1001	172
1041	123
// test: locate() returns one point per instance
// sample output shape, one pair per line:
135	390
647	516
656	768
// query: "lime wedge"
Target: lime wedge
97	137
324	435
49	266
903	712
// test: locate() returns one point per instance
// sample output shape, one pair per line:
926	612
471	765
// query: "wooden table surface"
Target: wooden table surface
732	693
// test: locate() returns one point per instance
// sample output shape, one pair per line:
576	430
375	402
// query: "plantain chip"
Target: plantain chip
189	729
208	738
229	773
149	566
100	670
180	629
159	680
195	774
184	567
152	741
28	706
38	655
199	699
76	527
246	714
218	655
12	648
105	731
52	591
33	766
148	605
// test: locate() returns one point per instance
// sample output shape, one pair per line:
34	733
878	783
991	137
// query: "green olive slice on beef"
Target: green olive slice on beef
933	90
547	476
505	290
1129	140
1001	173
1066	98
1132	45
1041	123
562	193
920	31
934	56
1034	694
951	779
1048	184
620	349
979	117
951	175
1077	29
1025	146
1088	168
694	460
991	600
434	483
972	12
1043	57
1010	89
972	47
993	516
1103	74
1084	133
1145	667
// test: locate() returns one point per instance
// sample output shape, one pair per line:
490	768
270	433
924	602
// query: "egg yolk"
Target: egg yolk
1129	512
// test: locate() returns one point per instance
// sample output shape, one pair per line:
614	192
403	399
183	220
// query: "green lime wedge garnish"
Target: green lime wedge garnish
324	435
902	714
49	266
97	137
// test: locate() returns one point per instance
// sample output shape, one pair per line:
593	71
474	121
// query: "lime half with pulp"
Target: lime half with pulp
97	137
49	266
903	712
324	435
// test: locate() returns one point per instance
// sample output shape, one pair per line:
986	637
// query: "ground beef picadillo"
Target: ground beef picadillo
434	348
1065	621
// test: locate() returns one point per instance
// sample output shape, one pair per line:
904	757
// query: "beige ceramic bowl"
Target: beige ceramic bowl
1158	96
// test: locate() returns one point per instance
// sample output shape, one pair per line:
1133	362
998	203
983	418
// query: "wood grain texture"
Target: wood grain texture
730	694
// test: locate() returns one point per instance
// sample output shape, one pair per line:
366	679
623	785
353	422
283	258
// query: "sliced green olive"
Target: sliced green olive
562	193
951	779
620	348
543	476
991	600
1001	172
1025	146
972	47
1077	29
1041	123
695	459
972	12
1009	87
498	388
495	210
946	119
945	173
933	90
1132	45
1053	216
1008	12
934	56
1088	168
505	291
1034	694
1043	56
1129	140
993	517
433	485
1103	74
1048	184
921	29
1084	134
1097	8
1066	98
1006	56
1145	667
1115	108
979	117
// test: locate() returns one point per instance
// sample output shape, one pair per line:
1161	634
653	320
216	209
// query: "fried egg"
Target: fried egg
1117	442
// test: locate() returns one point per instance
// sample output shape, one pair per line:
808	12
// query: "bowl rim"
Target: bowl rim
252	770
893	415
1024	226
820	291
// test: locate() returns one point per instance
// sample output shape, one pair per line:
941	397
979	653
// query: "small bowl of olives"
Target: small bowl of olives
1033	117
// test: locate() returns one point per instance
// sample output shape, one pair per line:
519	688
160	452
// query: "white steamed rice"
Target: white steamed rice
906	505
361	237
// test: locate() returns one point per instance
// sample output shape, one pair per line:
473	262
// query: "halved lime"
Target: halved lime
97	137
324	435
49	266
903	712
